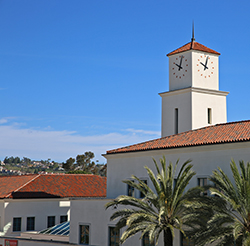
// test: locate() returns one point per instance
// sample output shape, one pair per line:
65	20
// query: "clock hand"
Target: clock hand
180	67
206	64
206	61
181	60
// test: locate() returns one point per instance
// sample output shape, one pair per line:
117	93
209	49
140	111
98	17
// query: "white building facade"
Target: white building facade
193	127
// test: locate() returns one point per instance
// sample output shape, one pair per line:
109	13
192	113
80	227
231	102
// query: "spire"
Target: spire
193	39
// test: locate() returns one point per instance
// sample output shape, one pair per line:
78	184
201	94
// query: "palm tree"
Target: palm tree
161	210
228	211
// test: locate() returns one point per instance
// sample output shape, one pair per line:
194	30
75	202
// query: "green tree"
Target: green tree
85	162
161	211
228	212
17	160
26	160
69	165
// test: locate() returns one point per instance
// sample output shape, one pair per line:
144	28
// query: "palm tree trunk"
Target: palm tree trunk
168	238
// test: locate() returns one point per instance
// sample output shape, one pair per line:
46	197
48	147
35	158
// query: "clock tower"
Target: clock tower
193	100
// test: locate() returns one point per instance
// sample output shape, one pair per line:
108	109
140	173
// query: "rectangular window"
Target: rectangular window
202	182
176	120
84	234
141	194
209	116
145	241
131	190
114	236
63	218
51	221
186	241
30	223
17	224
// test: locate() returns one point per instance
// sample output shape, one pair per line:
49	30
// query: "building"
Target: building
193	127
32	203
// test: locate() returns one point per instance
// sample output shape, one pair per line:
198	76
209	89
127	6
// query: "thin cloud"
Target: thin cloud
60	145
5	119
134	131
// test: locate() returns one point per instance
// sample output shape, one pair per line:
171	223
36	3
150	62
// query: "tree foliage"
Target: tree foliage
163	208
69	165
84	164
226	214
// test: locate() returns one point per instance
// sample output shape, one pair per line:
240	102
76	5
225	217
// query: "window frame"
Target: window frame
130	188
176	121
209	116
48	222
63	216
146	237
204	180
145	180
30	226
17	224
80	234
109	236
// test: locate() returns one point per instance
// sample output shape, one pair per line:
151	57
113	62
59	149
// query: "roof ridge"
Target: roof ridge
153	144
38	175
24	175
193	45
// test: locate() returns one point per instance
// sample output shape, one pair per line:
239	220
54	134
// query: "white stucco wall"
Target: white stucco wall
179	79
208	78
38	208
180	99
201	101
193	73
192	104
204	159
92	212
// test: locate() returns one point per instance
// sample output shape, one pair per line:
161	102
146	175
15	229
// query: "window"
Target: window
209	116
30	223
202	182
141	194
186	241
51	221
63	218
145	240
17	224
176	121
131	190
114	236
84	234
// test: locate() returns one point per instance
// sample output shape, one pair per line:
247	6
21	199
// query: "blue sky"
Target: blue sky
80	75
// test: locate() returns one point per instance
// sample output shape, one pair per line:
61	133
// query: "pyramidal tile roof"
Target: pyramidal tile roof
52	186
193	46
216	134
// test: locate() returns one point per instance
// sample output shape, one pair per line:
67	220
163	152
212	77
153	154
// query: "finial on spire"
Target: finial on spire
193	39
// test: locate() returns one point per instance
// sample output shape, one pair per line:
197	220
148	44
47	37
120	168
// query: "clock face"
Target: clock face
205	66
179	67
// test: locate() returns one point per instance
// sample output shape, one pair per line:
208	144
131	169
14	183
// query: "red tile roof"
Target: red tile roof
52	186
193	46
217	134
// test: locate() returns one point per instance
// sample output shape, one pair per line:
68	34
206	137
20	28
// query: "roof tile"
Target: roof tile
193	46
52	186
216	134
